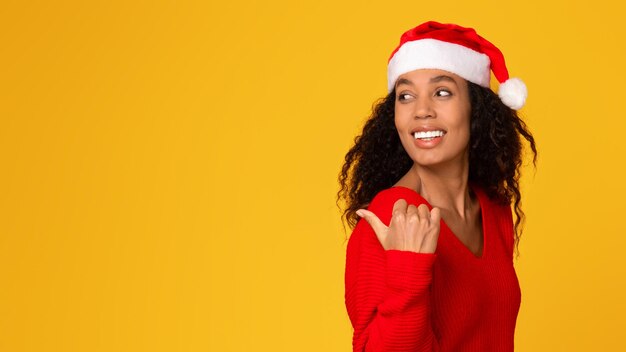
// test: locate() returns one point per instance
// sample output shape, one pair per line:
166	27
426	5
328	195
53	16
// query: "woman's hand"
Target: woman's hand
411	228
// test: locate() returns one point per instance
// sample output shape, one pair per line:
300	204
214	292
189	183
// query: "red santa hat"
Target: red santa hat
455	49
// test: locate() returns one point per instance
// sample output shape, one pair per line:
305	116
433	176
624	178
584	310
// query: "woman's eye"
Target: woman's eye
443	93
402	97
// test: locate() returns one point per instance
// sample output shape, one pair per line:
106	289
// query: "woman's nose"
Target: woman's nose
424	109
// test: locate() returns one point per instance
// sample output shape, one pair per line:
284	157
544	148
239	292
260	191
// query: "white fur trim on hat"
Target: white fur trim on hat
513	93
437	54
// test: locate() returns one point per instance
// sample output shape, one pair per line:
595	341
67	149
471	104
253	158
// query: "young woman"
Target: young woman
437	167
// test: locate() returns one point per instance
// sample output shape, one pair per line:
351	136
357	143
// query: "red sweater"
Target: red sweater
447	301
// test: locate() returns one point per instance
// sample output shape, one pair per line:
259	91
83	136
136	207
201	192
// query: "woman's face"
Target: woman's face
432	116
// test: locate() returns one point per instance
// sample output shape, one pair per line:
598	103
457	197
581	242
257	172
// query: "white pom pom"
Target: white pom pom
513	93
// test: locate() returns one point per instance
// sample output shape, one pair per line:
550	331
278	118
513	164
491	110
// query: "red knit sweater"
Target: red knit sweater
447	301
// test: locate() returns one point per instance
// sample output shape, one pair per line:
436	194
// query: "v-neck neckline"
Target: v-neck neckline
481	201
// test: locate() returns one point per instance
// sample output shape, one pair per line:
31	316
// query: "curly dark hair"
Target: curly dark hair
378	160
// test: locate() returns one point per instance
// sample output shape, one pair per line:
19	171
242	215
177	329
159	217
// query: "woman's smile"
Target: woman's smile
427	137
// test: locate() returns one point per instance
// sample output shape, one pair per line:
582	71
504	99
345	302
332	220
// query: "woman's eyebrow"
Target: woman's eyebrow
435	79
442	78
404	81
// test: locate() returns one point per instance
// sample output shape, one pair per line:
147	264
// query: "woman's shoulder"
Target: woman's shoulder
382	203
498	217
392	194
493	202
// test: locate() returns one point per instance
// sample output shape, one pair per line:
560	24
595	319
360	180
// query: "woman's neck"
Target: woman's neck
443	186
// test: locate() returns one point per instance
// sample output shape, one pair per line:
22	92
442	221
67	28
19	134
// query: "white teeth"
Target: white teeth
428	134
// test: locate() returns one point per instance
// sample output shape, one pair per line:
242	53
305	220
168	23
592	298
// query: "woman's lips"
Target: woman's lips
427	139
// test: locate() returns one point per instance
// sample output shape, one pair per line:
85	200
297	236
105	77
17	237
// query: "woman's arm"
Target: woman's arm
387	291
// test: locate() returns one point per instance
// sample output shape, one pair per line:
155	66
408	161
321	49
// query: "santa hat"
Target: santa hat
455	49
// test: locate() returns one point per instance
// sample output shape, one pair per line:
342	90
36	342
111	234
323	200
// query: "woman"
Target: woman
437	166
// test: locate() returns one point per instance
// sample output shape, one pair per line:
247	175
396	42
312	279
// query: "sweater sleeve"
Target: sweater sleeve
387	292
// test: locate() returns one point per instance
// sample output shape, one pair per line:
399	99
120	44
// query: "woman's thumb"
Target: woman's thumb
377	225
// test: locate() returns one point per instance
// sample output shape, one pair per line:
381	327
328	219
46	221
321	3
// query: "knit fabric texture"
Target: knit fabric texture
451	300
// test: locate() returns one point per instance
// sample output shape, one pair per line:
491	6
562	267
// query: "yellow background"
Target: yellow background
168	168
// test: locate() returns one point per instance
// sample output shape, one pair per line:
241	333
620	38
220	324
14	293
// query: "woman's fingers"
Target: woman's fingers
435	216
432	235
400	206
398	214
423	213
412	219
397	238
